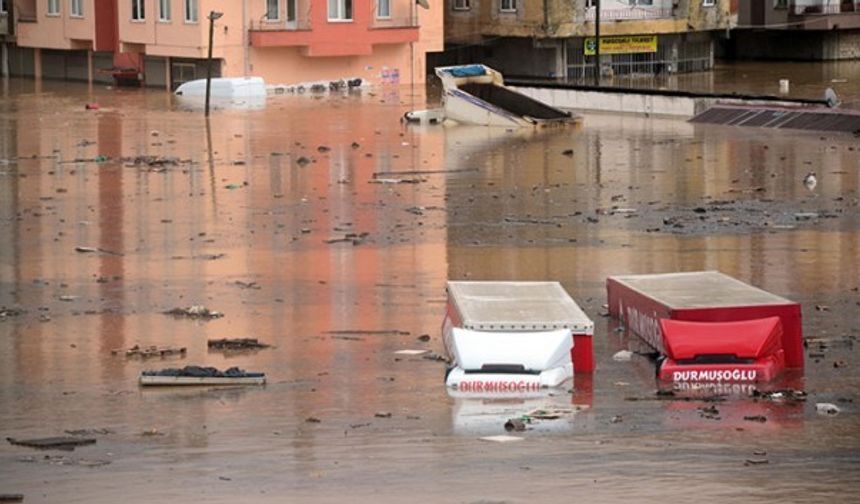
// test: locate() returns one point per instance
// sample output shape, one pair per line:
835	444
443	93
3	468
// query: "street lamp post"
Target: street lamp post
596	43
212	17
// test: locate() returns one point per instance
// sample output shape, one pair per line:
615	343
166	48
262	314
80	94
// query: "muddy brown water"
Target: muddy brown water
246	234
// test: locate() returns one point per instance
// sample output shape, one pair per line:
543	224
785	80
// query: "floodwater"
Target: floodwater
242	224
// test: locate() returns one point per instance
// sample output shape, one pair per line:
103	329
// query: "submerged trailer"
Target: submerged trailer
516	337
476	94
708	326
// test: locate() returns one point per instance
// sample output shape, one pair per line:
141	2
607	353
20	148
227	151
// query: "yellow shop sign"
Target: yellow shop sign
623	45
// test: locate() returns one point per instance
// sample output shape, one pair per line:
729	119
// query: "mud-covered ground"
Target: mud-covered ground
325	227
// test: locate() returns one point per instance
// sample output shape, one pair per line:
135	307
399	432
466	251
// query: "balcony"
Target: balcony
655	10
824	14
318	36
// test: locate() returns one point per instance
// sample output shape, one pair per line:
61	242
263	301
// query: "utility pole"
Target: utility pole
212	17
597	42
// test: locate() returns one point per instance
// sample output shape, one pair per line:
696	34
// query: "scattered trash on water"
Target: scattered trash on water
247	285
827	409
616	419
382	414
195	312
237	344
53	443
756	418
501	438
515	424
199	375
91	106
749	462
90	432
149	351
622	356
412	352
780	395
10	312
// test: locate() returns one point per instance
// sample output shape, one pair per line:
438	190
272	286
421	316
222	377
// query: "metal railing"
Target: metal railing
300	24
634	13
410	21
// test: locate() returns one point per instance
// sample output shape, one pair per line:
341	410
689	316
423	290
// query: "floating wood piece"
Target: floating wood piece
196	311
53	443
150	351
237	344
11	497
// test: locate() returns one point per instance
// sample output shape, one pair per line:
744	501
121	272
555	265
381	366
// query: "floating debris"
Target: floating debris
827	409
150	351
198	375
11	312
501	439
53	443
515	424
237	344
622	356
412	352
195	312
780	395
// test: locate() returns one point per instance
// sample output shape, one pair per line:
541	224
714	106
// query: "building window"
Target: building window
4	8
462	4
273	12
340	10
191	11
76	8
53	7
708	3
508	6
164	10
383	8
137	10
780	4
590	3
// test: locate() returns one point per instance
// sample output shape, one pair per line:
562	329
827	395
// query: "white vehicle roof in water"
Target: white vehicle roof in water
225	87
516	306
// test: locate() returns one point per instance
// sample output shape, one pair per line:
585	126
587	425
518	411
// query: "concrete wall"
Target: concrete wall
614	102
290	65
59	31
178	37
570	18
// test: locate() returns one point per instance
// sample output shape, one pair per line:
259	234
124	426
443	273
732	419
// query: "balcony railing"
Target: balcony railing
408	21
633	13
281	25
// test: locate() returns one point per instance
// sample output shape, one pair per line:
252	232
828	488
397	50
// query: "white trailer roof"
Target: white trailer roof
517	306
699	289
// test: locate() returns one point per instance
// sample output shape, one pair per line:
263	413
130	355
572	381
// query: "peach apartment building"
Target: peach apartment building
165	42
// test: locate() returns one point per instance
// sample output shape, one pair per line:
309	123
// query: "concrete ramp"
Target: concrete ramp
811	119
